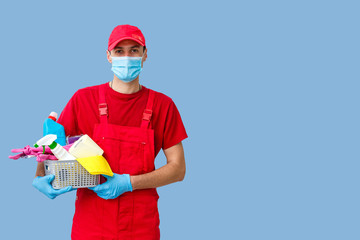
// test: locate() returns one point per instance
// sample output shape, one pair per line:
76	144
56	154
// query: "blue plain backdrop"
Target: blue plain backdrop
268	92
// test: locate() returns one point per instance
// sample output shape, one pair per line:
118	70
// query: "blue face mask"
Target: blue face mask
126	68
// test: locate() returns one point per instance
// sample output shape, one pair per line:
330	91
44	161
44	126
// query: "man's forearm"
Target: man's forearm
170	173
165	175
40	170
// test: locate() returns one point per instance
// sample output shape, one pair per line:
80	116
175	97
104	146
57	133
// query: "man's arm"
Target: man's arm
40	170
173	171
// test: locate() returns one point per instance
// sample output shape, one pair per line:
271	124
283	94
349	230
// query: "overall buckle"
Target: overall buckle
147	114
103	109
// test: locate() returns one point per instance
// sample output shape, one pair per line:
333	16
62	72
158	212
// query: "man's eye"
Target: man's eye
118	51
135	50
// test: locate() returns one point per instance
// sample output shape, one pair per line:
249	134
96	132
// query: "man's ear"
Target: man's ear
108	56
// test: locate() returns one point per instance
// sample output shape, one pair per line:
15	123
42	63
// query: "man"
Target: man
131	123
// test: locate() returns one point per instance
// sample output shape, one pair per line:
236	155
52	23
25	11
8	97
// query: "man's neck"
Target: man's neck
123	87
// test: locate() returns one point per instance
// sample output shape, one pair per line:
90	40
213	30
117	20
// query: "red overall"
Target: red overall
133	215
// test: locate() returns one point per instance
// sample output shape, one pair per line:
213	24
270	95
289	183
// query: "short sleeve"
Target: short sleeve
174	130
68	117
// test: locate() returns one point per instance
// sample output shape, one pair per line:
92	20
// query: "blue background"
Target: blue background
268	92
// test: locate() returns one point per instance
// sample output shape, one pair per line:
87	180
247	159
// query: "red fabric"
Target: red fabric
133	215
82	113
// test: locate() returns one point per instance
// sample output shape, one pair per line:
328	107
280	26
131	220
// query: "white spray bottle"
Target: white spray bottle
57	149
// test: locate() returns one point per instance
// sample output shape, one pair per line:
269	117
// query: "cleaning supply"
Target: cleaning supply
72	139
70	173
28	152
96	165
39	153
85	147
52	127
89	155
57	149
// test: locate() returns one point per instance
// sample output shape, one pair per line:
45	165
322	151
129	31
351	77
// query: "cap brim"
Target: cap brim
113	45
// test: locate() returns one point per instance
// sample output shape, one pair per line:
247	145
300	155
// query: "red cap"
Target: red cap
123	32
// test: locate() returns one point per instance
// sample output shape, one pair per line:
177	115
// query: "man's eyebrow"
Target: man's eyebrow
136	46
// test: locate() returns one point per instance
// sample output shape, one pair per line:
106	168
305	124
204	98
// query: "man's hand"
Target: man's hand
114	186
43	184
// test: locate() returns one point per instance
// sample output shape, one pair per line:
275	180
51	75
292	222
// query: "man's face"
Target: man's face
127	48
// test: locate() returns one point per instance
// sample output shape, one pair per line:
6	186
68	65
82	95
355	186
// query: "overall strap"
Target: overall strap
146	118
103	110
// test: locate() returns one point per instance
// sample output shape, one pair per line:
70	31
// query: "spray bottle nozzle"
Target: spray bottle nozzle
35	145
46	141
59	152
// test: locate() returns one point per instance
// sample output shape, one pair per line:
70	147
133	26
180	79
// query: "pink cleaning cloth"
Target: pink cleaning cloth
28	151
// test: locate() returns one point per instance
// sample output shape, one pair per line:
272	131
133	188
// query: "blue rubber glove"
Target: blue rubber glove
43	184
114	186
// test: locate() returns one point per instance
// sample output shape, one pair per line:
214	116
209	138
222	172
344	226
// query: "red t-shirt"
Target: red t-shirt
82	112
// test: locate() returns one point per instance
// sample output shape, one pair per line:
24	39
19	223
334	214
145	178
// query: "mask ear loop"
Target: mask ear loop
143	54
110	54
140	87
142	59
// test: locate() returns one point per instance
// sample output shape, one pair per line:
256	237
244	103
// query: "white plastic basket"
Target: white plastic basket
70	173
